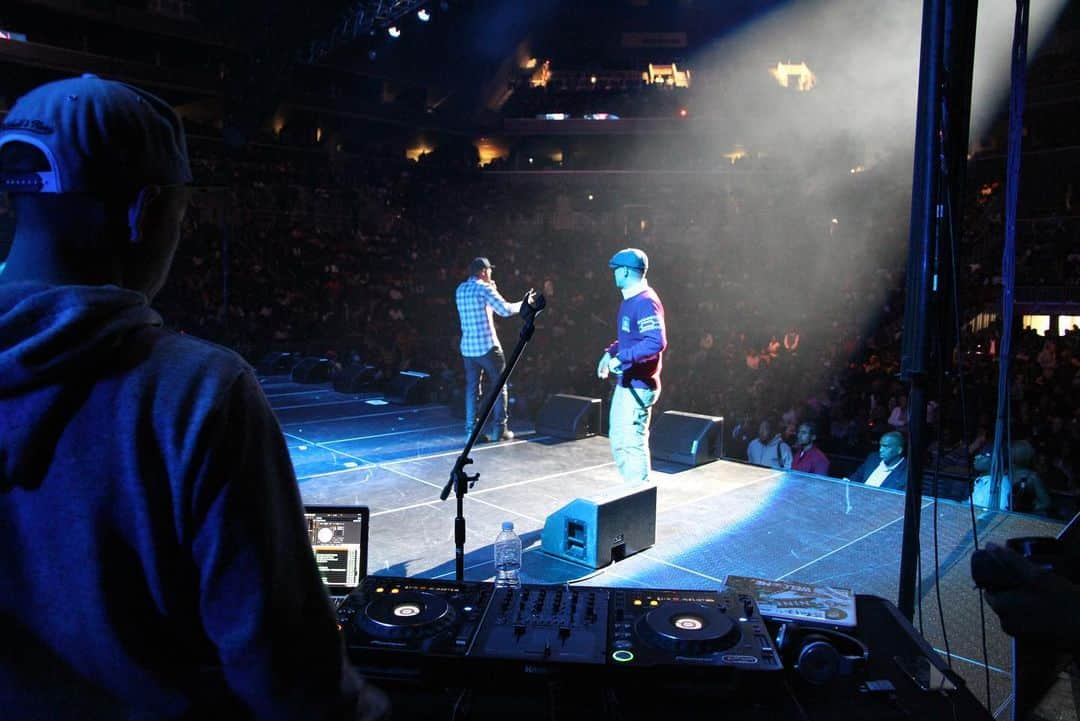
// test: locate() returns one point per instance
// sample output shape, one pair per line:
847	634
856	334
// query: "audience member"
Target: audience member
887	468
769	448
809	458
1020	489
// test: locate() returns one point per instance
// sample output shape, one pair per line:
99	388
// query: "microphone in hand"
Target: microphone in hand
532	303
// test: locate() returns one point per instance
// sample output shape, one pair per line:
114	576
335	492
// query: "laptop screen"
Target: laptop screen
339	538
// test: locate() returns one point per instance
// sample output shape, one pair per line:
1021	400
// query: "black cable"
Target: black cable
966	439
937	481
982	605
965	432
985	653
794	699
918	589
945	232
937	589
952	705
457	704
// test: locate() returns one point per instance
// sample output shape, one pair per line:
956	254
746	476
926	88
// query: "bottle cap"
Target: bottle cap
508	525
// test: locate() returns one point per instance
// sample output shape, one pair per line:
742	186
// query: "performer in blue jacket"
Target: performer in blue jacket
636	358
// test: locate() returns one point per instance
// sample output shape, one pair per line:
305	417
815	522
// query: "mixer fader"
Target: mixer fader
562	624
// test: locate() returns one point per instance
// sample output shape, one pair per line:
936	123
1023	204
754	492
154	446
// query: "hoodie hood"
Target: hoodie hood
55	343
48	333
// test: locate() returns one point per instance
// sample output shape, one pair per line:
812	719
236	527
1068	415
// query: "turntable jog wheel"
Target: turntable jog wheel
688	628
411	614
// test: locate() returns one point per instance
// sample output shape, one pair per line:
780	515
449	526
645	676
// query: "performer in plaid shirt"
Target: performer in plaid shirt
476	298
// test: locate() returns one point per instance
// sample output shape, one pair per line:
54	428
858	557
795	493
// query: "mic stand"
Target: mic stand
460	481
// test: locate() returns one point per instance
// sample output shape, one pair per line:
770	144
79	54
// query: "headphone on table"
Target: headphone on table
818	655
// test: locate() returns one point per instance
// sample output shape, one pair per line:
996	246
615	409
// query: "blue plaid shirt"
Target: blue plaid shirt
476	299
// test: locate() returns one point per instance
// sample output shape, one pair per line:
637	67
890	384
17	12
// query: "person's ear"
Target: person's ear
137	212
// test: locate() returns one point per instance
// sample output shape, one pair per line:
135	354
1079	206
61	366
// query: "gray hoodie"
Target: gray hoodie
155	561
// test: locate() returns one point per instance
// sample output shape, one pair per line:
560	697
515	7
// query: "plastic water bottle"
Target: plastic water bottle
507	557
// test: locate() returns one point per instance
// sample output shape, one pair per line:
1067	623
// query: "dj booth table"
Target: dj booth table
444	650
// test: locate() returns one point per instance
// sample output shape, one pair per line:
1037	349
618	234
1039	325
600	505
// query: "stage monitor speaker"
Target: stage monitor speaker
686	438
409	388
275	364
609	526
357	378
313	370
569	417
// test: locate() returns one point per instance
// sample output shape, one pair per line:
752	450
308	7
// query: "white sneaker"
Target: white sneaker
505	435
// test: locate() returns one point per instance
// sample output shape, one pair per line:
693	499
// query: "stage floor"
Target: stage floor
713	520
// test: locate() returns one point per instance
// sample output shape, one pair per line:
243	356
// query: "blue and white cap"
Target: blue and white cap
99	136
630	258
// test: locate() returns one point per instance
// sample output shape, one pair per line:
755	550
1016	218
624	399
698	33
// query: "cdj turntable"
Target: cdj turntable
718	629
391	624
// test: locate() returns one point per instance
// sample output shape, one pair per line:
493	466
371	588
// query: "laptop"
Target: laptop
339	540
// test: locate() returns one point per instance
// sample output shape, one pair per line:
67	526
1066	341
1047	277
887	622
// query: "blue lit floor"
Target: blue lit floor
713	520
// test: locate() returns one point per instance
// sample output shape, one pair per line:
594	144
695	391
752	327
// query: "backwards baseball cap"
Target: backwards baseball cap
99	136
479	264
630	258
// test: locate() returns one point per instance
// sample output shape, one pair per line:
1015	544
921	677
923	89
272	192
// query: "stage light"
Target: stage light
394	32
423	15
683	113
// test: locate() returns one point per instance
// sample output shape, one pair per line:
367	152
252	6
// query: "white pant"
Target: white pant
628	431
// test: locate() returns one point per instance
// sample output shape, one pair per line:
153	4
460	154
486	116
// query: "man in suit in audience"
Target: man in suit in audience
888	467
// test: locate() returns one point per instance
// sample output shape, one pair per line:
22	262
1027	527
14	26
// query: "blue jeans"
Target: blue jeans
486	369
628	431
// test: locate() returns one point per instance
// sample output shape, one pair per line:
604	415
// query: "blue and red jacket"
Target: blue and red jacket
641	340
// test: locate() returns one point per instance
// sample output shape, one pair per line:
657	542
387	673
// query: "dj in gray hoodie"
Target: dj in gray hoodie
155	560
